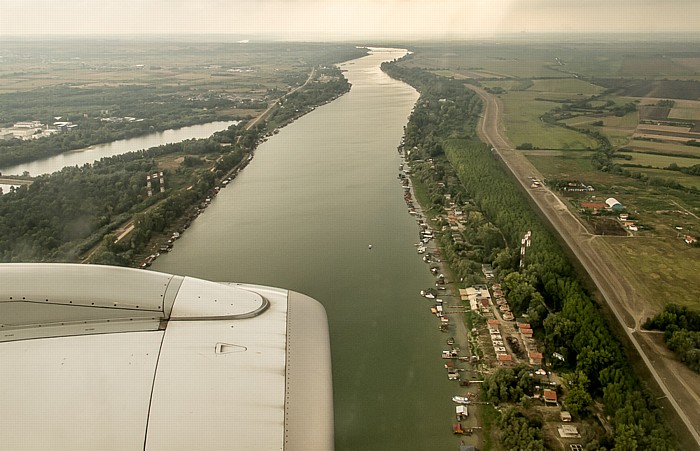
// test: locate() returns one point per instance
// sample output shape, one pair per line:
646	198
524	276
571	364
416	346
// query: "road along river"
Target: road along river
302	216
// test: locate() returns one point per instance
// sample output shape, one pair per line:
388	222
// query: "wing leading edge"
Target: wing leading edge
116	358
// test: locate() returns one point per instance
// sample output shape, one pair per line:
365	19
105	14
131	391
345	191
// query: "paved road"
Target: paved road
616	289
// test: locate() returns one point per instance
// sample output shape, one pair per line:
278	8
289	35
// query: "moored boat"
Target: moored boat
460	400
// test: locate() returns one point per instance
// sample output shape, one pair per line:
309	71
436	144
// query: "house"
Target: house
565	416
487	270
568	431
505	358
550	396
690	239
535	358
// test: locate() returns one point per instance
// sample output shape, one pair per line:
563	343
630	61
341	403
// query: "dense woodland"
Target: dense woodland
440	138
681	328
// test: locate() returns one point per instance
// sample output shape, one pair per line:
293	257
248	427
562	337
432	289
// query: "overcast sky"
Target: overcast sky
349	19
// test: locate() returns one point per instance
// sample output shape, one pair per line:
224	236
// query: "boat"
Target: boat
461	412
460	400
449	354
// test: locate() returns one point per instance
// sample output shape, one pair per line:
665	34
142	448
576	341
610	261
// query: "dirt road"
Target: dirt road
273	105
598	261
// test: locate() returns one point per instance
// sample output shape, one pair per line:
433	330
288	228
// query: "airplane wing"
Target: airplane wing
107	358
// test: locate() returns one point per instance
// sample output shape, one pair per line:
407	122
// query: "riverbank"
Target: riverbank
451	307
85	211
267	122
542	288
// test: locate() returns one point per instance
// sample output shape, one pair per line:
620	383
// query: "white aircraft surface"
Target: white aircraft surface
106	358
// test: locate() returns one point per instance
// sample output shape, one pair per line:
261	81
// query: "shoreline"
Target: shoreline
457	328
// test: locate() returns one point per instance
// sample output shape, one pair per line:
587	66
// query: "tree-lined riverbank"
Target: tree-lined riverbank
64	214
440	135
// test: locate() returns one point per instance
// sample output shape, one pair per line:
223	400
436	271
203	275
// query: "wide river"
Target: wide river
301	216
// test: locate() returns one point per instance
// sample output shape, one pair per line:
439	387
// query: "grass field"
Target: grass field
666	275
661	161
683	179
562	164
489	60
565	85
686	109
508	85
523	125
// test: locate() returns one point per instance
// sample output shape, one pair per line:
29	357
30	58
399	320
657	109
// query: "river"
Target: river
94	153
301	216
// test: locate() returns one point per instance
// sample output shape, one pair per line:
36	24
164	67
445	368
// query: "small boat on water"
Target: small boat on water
427	294
450	354
462	412
460	400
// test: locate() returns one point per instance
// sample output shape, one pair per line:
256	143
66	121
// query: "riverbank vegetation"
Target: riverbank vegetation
620	118
102	212
455	167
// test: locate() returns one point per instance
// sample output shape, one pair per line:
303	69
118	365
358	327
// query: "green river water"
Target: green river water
301	216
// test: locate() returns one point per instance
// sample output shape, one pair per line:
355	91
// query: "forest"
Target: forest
564	316
681	328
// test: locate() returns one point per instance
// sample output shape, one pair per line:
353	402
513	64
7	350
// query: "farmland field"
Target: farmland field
661	161
685	109
490	60
78	76
565	85
523	124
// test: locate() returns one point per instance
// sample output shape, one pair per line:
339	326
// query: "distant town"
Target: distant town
36	129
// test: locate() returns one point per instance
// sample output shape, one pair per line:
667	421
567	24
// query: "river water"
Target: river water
301	216
94	153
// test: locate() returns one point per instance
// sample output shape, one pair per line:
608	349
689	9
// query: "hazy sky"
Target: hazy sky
326	19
